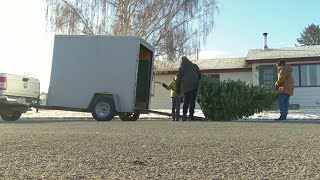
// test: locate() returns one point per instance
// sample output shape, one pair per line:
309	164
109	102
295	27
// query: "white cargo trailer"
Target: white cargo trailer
17	94
104	75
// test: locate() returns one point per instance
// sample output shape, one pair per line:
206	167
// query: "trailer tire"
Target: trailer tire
11	116
103	109
129	116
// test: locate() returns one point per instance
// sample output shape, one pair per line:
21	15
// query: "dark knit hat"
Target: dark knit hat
281	62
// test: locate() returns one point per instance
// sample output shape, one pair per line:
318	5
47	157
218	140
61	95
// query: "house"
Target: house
305	61
222	69
257	68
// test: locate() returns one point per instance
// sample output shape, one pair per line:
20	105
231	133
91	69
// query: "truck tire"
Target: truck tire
129	116
11	116
103	109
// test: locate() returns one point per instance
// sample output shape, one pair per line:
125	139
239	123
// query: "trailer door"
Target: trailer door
144	77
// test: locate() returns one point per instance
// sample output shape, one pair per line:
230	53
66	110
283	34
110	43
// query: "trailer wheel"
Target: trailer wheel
11	116
129	116
103	109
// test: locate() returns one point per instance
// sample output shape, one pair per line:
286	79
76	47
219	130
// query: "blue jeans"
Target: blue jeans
175	109
284	103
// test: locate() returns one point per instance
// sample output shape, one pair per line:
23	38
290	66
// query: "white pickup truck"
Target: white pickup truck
17	94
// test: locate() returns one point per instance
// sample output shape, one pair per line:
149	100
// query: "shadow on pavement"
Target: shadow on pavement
48	120
297	121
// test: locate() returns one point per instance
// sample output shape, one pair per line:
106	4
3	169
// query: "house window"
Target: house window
306	75
212	76
215	76
267	74
267	77
296	76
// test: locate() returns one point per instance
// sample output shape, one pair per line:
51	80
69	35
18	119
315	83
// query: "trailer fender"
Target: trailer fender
116	102
114	97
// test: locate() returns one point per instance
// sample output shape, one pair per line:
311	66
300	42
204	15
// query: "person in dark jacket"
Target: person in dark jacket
189	77
285	85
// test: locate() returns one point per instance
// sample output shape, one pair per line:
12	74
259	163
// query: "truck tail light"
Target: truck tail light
3	83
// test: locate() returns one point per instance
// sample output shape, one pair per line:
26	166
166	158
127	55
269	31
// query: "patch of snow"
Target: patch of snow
55	114
301	114
309	114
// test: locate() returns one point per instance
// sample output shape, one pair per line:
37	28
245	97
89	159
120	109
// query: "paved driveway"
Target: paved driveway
158	149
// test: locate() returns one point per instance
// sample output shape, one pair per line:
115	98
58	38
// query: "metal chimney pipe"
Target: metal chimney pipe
265	46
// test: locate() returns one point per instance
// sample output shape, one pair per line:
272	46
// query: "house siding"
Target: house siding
161	97
242	76
306	96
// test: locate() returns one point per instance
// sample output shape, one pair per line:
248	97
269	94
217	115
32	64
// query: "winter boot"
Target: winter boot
184	117
178	117
282	117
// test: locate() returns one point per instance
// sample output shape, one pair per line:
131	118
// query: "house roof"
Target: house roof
244	64
287	53
223	63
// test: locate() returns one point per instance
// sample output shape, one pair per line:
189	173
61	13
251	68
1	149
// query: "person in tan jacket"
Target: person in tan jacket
285	86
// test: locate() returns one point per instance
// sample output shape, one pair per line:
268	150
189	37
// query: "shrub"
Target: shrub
231	100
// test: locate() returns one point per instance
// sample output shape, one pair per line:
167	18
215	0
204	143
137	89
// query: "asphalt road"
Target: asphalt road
158	149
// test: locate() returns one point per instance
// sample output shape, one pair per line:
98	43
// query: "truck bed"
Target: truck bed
17	88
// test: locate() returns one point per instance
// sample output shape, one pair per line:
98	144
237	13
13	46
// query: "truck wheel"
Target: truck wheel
103	109
11	116
129	116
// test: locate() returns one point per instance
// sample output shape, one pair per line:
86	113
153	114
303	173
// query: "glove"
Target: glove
164	85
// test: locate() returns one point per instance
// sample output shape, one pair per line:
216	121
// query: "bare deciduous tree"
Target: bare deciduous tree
174	27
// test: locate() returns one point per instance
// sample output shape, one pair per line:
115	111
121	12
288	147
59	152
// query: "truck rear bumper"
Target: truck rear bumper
6	100
7	104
